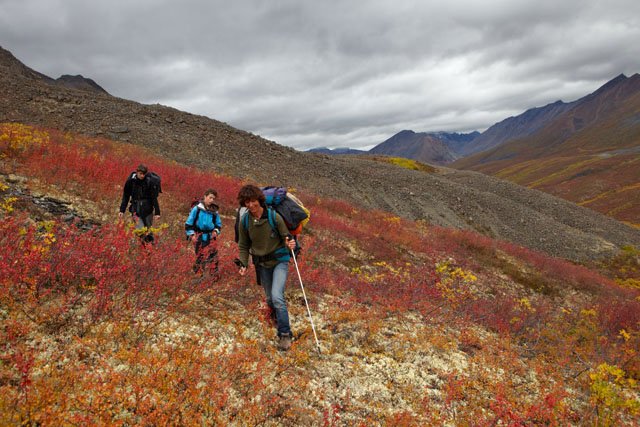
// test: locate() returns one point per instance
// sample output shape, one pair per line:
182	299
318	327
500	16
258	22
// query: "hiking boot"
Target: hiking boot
284	342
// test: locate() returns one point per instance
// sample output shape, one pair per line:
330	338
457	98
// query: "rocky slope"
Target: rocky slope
448	198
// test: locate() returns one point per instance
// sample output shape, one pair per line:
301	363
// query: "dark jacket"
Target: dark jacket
144	200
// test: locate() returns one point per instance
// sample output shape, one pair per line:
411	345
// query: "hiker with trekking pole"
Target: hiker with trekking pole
263	232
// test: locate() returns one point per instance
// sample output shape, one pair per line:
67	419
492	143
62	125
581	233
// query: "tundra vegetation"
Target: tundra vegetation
418	325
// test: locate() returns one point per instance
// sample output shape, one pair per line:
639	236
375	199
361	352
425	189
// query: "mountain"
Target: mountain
435	148
336	151
516	127
14	67
398	323
587	154
79	82
446	197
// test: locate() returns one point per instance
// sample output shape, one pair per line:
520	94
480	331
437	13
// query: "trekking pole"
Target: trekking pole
306	302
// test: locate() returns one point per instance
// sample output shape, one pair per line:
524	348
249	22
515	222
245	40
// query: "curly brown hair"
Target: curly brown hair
250	192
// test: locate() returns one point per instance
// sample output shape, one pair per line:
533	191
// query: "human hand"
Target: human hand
242	271
291	243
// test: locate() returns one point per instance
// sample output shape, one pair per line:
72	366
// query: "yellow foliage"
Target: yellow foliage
146	230
16	137
625	335
380	271
455	283
629	283
6	204
612	392
393	220
406	163
525	304
46	236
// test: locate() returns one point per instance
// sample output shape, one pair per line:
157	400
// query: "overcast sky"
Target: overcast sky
333	73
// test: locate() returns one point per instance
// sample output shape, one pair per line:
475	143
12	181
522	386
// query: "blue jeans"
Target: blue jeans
273	281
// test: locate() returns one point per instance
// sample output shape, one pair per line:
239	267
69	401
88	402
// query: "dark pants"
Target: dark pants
206	257
143	212
145	222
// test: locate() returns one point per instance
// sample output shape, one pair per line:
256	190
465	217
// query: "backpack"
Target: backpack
155	184
290	208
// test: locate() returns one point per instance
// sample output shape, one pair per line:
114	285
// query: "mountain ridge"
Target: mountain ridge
586	154
442	198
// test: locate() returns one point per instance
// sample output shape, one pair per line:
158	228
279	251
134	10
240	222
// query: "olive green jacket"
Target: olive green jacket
260	240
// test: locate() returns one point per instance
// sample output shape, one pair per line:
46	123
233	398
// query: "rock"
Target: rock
120	129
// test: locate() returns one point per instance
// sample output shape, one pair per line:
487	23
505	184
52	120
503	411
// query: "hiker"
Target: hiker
143	191
203	227
263	232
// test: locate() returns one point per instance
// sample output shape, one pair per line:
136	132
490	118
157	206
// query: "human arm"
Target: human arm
217	224
244	244
190	225
126	195
156	206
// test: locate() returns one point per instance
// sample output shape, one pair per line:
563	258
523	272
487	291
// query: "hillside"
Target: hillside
589	154
418	324
442	198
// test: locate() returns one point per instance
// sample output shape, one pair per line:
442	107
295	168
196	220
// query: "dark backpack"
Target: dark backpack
289	207
155	184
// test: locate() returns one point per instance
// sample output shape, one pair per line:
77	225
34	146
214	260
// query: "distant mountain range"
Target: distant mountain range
443	196
336	151
586	151
439	147
427	147
445	147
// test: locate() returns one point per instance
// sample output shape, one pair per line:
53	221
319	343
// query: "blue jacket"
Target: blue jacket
203	221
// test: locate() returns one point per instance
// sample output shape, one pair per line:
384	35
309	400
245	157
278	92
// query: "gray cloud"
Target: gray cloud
333	73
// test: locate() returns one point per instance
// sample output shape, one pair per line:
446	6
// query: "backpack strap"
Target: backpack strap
280	254
194	225
271	217
245	221
195	220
